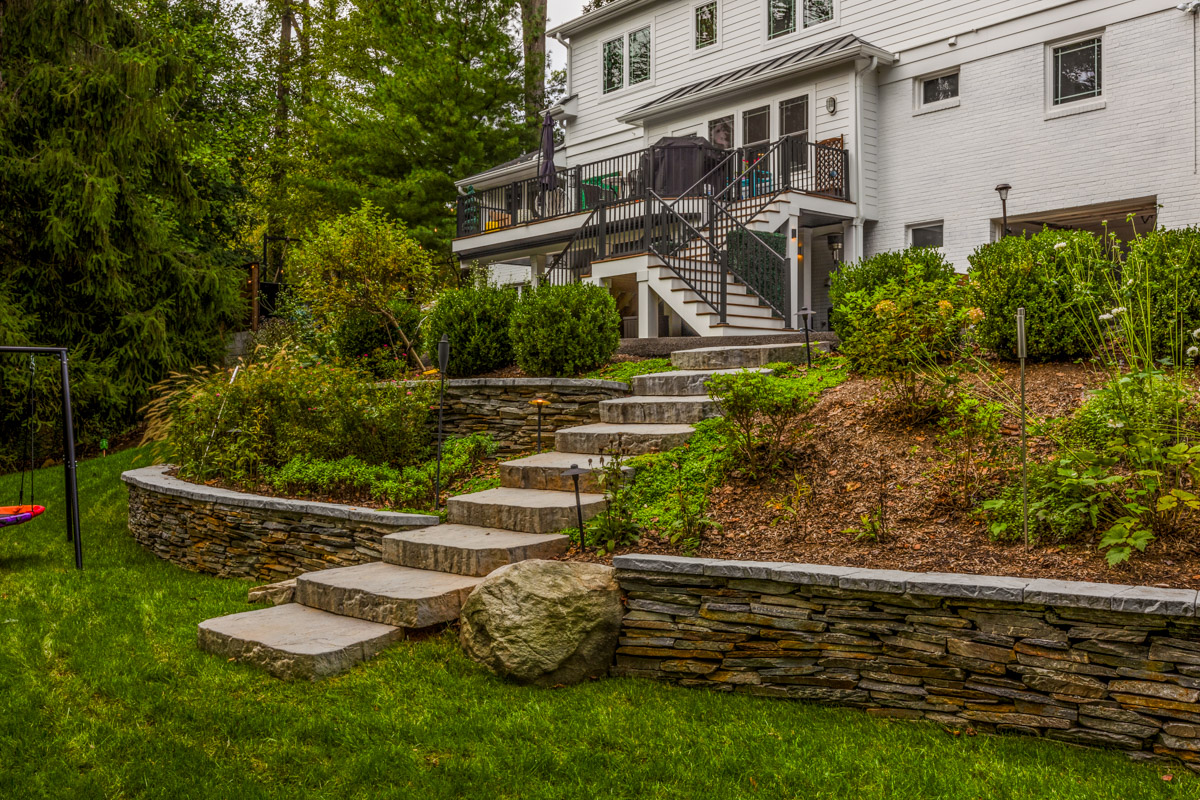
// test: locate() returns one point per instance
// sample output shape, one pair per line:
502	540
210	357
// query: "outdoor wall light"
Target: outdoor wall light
834	240
831	105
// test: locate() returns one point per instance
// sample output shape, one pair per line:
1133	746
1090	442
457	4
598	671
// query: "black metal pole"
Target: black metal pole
1004	216
578	509
72	480
807	344
539	408
437	479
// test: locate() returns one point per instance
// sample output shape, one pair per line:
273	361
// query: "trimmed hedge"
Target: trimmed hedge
477	320
926	264
561	331
1167	264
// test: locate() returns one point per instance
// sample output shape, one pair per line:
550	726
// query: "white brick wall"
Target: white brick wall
945	165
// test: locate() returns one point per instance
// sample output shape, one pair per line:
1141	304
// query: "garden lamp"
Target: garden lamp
540	403
1002	190
443	360
573	473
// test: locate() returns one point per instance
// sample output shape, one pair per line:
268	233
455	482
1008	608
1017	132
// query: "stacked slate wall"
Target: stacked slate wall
1102	665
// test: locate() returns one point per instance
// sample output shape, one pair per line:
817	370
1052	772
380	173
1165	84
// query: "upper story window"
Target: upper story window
783	16
705	31
1075	71
627	55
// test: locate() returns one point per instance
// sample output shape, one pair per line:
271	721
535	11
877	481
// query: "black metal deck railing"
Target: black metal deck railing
792	163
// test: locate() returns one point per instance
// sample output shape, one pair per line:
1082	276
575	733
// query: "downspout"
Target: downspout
858	161
570	72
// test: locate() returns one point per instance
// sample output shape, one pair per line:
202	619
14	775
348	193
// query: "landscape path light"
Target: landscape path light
1002	190
573	473
540	403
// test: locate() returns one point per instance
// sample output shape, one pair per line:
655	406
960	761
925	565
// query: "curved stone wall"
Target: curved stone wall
1093	664
241	535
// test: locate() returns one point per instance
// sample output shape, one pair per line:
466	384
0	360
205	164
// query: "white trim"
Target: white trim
623	38
1052	109
720	40
800	32
919	104
909	228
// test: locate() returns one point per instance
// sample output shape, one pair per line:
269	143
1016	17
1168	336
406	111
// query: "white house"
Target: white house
827	130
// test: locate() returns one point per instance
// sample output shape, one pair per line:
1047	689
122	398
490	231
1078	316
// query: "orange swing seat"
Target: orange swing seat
15	515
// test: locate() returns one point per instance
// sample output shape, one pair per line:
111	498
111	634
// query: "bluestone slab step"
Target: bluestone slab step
660	410
293	641
468	549
544	471
747	356
386	593
679	382
627	440
527	510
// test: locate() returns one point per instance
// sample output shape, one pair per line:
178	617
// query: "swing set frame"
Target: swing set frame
72	482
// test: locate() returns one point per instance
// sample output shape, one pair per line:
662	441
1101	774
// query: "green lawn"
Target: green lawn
104	694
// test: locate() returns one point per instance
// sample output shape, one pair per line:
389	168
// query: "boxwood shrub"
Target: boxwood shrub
477	320
1166	264
560	331
1053	275
871	273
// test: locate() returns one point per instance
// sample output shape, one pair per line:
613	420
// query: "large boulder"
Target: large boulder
547	623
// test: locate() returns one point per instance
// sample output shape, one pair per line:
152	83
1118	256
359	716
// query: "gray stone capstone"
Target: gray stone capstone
547	623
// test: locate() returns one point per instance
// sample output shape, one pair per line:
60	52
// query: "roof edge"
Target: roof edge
592	18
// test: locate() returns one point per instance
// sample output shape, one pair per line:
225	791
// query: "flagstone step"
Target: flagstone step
679	382
386	593
544	471
294	641
659	410
525	510
628	440
747	356
468	549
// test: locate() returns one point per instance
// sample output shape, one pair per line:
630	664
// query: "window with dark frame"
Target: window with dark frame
720	132
639	56
614	64
927	235
756	125
706	25
1077	71
793	123
942	87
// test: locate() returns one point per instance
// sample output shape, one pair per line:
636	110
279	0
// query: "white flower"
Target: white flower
1105	317
1193	351
1196	334
1119	310
1060	246
1115	424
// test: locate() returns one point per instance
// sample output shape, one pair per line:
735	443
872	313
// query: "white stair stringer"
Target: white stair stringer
746	314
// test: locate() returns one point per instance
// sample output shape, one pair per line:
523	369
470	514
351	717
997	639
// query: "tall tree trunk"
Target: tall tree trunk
275	221
533	36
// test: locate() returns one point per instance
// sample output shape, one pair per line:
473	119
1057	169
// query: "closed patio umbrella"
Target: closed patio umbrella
547	172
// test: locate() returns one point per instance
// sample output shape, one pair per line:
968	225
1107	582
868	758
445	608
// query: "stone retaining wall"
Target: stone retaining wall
239	535
500	407
1087	663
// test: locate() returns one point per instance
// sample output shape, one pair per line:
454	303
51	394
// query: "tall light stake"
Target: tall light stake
540	403
1024	455
443	361
1002	190
573	473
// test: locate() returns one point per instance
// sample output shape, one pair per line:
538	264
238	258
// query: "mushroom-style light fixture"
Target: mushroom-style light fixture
1002	190
540	403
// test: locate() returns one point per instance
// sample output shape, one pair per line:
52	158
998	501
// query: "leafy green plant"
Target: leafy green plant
694	468
1162	290
615	525
690	526
970	438
564	330
476	320
1051	275
624	371
872	273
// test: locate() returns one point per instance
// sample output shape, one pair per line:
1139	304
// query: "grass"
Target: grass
103	694
624	371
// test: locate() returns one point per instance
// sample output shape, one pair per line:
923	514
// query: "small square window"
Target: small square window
942	87
781	17
1076	72
639	56
706	25
817	11
720	132
614	65
926	235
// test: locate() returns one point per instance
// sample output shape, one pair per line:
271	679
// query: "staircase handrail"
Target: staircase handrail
571	242
787	137
739	225
667	258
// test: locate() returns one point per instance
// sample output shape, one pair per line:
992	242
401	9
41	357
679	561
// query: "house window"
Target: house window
1076	71
614	64
756	125
720	132
706	25
793	123
781	15
939	88
926	235
638	65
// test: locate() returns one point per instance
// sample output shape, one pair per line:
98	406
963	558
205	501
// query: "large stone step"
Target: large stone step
545	471
527	510
293	641
386	593
679	382
661	410
747	356
467	549
628	440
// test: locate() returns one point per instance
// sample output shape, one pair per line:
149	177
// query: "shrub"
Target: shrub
1161	289
565	330
278	410
1052	275
872	273
476	319
900	331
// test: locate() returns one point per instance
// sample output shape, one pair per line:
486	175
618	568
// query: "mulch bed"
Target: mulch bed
931	527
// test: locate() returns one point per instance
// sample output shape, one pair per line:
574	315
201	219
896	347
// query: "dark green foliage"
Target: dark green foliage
278	410
565	330
115	221
1170	268
1051	275
476	319
625	371
364	339
751	258
869	274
